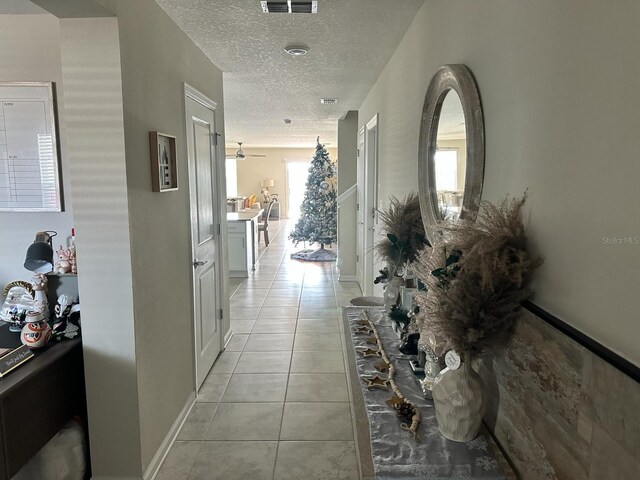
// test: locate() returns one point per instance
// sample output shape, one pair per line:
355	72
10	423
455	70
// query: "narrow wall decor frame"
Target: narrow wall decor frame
164	172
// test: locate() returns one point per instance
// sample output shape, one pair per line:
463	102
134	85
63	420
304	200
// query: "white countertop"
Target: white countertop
244	215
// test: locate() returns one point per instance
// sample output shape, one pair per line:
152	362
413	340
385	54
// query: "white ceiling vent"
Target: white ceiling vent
289	6
329	101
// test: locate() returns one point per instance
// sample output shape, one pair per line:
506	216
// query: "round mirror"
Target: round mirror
451	150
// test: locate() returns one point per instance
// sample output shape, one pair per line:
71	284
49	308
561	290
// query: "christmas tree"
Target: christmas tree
317	222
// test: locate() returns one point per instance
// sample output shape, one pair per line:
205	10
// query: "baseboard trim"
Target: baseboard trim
347	278
227	337
152	470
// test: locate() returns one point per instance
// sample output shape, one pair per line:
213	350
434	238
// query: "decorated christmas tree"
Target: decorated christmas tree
317	222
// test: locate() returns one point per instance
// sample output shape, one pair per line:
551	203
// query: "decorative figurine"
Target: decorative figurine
67	322
62	310
63	265
36	331
41	303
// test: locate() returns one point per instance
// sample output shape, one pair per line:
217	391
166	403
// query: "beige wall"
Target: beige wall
560	99
157	57
252	170
347	177
347	151
96	153
30	51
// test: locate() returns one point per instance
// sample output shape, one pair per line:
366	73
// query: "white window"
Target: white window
447	170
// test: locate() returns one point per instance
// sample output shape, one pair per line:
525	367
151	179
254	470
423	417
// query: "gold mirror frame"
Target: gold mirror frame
460	79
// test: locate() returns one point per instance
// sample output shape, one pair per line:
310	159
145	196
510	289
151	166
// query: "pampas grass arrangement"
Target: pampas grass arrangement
405	239
477	277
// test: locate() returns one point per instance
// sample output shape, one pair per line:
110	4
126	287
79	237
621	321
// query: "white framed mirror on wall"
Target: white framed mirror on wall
451	148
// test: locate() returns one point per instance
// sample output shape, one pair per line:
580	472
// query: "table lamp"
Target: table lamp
39	258
268	183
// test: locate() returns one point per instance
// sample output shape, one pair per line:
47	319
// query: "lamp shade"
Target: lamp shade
39	258
268	182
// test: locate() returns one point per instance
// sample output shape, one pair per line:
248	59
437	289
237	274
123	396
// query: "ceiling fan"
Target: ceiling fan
240	155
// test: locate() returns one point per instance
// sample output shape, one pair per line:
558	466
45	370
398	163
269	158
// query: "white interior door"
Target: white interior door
203	185
370	200
360	189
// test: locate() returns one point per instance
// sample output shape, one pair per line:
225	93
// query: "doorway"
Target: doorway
297	175
204	194
367	178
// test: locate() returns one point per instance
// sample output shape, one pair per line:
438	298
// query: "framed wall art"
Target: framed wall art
29	159
164	174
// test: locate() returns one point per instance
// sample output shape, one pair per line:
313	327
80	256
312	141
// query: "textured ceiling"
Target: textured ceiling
350	41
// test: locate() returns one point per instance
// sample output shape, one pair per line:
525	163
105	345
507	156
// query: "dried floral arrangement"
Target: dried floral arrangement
477	276
405	238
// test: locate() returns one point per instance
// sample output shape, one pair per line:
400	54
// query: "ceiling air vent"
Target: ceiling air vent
329	101
290	6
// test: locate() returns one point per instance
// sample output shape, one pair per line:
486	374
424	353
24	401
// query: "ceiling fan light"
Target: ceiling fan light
296	50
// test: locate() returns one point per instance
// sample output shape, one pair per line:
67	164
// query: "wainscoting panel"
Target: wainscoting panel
559	411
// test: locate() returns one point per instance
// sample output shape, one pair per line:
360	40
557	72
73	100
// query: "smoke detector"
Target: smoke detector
296	50
329	101
289	6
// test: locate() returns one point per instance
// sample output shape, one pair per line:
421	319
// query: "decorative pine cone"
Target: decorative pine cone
405	411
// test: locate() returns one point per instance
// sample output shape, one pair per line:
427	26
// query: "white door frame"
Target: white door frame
360	188
369	210
220	208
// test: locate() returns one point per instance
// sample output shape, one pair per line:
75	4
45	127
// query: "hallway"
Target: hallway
276	403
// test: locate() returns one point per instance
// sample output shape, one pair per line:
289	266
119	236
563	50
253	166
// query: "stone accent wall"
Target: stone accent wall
560	412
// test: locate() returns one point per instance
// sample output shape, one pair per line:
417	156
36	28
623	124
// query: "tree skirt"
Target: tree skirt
368	301
319	255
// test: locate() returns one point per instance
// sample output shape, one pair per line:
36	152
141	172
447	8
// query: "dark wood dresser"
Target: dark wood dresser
37	399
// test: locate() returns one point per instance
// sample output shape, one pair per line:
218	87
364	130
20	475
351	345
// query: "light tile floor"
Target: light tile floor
275	405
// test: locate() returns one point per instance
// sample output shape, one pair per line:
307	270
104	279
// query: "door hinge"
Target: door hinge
214	138
373	212
219	230
221	313
357	258
357	207
357	152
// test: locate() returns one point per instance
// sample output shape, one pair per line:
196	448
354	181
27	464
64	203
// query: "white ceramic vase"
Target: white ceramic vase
457	397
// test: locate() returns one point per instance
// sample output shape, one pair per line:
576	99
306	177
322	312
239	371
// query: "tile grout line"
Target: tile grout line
284	400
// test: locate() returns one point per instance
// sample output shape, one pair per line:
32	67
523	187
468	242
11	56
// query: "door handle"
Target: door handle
197	263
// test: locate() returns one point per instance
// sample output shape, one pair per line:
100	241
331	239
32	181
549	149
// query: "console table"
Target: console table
37	399
385	450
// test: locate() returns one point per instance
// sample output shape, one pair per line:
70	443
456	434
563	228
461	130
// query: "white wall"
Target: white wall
558	83
30	51
252	170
